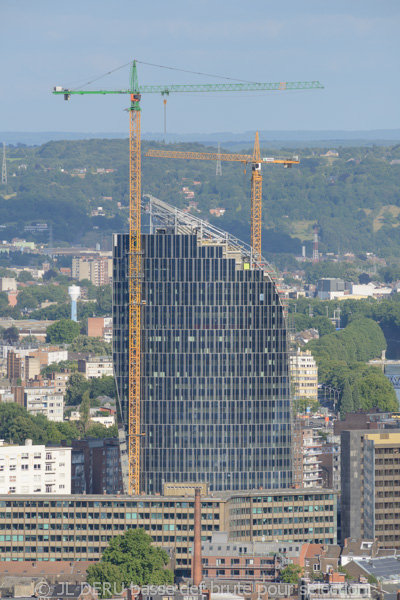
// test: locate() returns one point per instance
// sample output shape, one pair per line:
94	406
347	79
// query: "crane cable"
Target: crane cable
161	67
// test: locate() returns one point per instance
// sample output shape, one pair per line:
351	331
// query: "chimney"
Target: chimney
197	567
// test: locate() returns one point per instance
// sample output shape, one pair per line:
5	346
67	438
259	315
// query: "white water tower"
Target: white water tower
74	291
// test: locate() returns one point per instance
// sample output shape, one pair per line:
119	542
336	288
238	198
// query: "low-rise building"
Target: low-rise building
34	469
333	588
44	401
329	288
100	327
69	572
96	366
252	561
60	381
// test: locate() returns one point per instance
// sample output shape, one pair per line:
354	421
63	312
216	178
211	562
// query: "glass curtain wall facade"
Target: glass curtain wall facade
215	402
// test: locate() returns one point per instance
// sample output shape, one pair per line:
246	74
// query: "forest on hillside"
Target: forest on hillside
354	197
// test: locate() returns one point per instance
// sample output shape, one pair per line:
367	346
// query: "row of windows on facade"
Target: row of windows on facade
110	525
184	318
211	365
202	294
259	386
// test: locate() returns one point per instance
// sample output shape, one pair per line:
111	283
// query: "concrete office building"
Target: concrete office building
215	401
330	288
370	469
68	527
34	469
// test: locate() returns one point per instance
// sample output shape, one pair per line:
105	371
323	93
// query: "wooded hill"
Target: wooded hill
354	197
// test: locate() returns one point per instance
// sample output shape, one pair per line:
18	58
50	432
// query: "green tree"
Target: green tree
84	410
95	345
67	431
291	574
323	324
11	335
72	365
104	299
103	386
346	403
26	300
106	578
77	385
377	391
25	276
138	561
300	405
62	332
355	392
98	430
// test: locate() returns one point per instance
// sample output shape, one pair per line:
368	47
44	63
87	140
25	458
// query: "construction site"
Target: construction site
262	417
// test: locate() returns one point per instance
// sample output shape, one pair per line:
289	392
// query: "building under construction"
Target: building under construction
214	389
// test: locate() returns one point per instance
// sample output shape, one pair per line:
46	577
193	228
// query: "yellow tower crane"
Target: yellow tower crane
135	252
256	179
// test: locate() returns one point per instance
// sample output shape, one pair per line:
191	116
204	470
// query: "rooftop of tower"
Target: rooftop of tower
173	220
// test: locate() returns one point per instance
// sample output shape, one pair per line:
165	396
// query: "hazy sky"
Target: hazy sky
351	46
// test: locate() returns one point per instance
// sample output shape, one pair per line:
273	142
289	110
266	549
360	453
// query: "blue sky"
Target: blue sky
352	47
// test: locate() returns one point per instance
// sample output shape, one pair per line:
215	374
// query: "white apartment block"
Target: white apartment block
56	356
44	401
304	375
96	366
34	469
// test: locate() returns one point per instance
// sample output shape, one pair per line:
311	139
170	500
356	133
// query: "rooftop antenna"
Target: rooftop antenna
315	255
4	168
51	242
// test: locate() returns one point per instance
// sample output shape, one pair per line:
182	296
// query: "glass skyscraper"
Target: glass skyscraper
215	399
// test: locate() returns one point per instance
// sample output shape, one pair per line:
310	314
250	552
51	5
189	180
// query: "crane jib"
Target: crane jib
212	87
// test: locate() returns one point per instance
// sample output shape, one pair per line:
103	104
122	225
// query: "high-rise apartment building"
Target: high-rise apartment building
98	270
304	375
370	486
215	397
96	466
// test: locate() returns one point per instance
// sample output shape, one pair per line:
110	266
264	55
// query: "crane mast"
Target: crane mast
135	251
135	299
256	200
